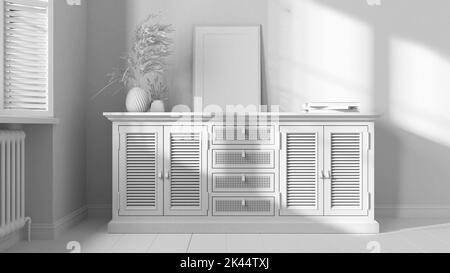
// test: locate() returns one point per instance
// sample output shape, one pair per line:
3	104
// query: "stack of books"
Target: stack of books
343	107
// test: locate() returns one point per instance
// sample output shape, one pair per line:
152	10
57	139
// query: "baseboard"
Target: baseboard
269	226
53	231
11	239
100	210
412	211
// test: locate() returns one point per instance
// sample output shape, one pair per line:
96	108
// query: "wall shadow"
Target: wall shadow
410	168
107	37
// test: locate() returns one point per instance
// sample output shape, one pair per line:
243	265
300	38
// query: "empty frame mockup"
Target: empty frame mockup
227	67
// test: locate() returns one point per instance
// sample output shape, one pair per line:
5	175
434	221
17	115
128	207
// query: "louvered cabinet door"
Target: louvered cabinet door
300	166
185	171
140	170
346	185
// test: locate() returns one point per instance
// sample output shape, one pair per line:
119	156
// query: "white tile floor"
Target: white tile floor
399	235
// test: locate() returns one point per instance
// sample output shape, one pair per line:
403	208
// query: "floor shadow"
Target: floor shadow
392	225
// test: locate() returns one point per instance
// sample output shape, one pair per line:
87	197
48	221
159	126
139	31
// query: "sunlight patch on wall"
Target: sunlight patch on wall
420	90
317	53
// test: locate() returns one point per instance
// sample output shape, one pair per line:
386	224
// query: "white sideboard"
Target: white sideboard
256	173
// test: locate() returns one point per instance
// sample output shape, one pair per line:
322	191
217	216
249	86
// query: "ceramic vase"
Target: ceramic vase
158	106
138	100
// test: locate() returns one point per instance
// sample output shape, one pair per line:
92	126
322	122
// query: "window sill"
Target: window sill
27	120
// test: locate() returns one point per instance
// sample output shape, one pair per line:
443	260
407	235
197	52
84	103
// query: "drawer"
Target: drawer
243	206
233	182
245	135
243	159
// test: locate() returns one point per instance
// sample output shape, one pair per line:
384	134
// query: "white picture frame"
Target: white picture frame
227	68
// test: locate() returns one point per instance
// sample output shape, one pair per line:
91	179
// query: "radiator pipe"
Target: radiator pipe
8	229
28	221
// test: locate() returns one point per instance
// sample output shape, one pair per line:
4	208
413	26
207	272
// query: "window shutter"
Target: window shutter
27	86
185	186
347	185
301	187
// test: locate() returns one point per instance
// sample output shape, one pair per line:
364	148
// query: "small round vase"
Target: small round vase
138	100
158	106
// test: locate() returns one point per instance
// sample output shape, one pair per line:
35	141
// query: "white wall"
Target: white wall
69	136
318	53
110	26
56	155
38	173
394	58
107	39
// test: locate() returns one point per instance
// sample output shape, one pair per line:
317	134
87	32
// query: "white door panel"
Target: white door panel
140	169
346	187
300	167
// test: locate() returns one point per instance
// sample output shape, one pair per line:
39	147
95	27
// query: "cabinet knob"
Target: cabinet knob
160	175
330	175
167	175
244	203
244	154
244	179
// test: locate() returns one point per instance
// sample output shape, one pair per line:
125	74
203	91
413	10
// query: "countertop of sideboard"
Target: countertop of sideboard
281	116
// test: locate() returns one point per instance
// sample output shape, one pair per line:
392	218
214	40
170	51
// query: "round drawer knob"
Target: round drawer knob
244	203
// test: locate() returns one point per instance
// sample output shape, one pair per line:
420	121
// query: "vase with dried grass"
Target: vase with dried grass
144	63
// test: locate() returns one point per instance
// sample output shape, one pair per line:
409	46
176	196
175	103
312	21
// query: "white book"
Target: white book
315	110
333	105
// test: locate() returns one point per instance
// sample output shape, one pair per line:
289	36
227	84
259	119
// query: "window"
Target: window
26	68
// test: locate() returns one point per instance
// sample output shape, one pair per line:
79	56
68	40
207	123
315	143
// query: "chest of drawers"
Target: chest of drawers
243	170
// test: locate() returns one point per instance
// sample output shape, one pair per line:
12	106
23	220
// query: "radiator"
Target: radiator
12	183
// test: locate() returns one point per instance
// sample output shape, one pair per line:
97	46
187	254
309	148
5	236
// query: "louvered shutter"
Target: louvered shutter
346	189
186	173
27	70
140	170
301	157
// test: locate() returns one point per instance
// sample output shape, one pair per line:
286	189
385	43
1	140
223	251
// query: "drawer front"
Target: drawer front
244	182
244	206
243	159
234	135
